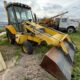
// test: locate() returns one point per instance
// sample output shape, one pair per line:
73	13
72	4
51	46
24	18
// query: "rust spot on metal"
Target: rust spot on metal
56	64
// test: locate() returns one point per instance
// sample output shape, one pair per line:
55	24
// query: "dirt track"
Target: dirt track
26	68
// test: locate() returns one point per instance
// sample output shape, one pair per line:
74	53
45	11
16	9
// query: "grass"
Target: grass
1	29
3	36
5	42
41	50
76	69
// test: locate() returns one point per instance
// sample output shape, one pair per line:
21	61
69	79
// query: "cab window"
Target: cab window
11	15
64	20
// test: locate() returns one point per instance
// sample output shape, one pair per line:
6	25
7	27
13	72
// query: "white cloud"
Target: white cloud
74	9
45	7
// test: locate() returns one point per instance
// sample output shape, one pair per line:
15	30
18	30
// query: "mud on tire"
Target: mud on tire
27	47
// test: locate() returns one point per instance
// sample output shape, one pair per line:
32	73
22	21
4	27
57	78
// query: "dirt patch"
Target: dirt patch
8	52
26	68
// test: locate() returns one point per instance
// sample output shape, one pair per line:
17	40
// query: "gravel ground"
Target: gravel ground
26	68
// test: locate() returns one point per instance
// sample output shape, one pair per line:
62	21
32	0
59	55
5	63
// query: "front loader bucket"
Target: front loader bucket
57	64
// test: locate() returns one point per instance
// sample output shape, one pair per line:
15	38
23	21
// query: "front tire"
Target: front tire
27	47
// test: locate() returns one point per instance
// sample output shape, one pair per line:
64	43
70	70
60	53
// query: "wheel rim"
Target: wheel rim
70	30
25	49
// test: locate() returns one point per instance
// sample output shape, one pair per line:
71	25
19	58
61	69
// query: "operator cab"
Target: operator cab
17	13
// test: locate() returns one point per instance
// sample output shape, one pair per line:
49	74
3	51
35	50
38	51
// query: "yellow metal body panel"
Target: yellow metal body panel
50	36
20	38
11	29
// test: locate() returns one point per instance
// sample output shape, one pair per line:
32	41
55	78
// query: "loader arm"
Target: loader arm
50	36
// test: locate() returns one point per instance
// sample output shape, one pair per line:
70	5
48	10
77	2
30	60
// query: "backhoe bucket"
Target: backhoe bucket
58	64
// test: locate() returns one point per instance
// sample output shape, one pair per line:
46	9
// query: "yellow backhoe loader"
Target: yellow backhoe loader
24	30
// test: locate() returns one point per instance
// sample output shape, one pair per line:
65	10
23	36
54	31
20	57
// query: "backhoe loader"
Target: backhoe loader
24	30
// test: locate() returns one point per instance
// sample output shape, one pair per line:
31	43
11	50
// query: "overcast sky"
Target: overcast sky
49	8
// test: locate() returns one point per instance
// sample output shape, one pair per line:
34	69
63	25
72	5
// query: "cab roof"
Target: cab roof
18	4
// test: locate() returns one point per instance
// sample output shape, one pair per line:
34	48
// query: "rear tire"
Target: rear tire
11	37
27	47
71	30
